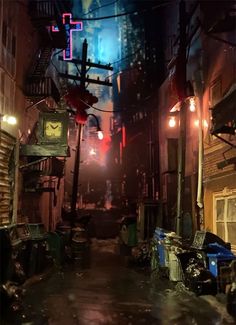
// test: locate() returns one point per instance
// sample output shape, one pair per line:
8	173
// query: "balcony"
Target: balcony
37	88
224	113
34	174
44	15
42	12
51	166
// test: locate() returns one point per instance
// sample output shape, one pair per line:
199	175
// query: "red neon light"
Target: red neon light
78	26
123	136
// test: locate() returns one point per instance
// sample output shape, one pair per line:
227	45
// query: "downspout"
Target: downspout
200	164
199	92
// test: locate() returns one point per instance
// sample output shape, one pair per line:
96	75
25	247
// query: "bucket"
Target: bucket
175	271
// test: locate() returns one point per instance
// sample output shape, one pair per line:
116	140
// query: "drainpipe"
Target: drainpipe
182	122
200	163
199	106
200	156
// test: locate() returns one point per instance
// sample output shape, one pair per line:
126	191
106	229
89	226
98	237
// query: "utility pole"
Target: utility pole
181	60
83	79
79	136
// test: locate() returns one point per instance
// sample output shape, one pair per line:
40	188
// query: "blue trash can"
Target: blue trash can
219	256
159	236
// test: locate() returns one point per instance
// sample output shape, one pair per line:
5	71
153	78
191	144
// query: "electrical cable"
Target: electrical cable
117	72
134	12
114	111
58	52
95	9
124	58
214	36
111	16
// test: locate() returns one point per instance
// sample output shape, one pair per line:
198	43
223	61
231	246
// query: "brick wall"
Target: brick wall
210	168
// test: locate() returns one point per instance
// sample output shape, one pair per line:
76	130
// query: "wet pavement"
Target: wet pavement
110	291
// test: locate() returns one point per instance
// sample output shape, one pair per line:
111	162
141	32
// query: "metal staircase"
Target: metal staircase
44	15
41	62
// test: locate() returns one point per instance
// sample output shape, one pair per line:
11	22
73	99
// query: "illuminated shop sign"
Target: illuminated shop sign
70	27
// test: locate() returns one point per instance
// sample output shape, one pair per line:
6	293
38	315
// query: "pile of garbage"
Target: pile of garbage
231	291
206	267
141	255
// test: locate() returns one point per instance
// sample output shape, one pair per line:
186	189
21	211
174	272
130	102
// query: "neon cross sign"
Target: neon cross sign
70	27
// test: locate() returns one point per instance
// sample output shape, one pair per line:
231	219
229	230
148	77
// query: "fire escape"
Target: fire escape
44	15
40	172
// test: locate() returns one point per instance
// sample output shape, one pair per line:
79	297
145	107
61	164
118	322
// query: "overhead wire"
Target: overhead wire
116	110
133	12
128	56
136	12
100	7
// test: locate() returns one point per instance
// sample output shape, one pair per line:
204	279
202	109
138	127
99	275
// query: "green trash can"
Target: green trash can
56	247
37	246
128	231
132	234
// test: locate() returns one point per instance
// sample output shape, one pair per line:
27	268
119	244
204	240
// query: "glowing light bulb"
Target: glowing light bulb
192	104
92	152
205	124
172	122
100	135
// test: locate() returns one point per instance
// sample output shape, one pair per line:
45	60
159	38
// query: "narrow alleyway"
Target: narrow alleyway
109	291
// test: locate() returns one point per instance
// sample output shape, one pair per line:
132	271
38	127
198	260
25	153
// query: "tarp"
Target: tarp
224	112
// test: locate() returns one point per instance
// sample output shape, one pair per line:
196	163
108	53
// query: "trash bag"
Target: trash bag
231	293
141	254
231	301
198	279
10	298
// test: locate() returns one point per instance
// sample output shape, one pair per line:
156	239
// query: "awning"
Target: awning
223	113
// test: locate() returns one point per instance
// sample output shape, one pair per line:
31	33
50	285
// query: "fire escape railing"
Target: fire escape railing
44	15
41	87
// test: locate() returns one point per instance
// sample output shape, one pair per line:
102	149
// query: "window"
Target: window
13	46
4	33
0	9
2	82
225	218
9	40
215	92
2	110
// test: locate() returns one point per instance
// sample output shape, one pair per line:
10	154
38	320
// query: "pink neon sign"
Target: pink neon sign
70	27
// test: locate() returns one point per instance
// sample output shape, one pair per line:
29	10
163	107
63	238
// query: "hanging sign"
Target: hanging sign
70	27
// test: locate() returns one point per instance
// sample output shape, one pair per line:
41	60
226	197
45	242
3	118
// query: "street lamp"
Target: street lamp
99	131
